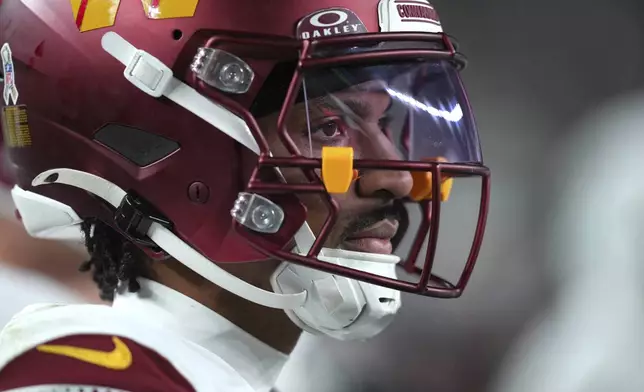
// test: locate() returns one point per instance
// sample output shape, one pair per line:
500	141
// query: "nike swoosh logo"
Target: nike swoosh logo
118	359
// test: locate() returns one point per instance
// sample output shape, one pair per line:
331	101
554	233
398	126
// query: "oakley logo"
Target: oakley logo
339	16
330	22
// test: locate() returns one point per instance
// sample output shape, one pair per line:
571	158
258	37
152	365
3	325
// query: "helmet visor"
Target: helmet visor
401	111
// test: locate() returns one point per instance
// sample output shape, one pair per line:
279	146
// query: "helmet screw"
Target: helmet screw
198	192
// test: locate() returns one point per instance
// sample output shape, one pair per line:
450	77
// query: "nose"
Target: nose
388	184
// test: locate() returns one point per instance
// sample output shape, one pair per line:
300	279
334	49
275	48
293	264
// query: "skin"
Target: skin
364	206
352	118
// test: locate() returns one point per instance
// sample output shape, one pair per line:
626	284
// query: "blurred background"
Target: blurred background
556	301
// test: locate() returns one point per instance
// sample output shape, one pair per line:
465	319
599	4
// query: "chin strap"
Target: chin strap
342	308
165	239
153	77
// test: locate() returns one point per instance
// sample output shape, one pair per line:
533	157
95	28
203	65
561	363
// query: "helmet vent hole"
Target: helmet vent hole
177	34
384	300
51	178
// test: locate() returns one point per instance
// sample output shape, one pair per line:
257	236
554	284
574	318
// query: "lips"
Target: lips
373	239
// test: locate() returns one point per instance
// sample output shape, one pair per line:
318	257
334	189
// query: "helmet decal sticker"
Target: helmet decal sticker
15	126
10	91
408	15
97	14
93	14
169	9
330	22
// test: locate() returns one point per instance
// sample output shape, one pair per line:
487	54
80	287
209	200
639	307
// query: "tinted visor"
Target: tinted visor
401	111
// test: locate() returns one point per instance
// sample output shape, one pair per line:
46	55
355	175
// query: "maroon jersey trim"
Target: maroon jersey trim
109	361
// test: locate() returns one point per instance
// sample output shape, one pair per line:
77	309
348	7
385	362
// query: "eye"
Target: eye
328	131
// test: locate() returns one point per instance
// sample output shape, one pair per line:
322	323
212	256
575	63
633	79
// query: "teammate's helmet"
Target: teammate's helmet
235	131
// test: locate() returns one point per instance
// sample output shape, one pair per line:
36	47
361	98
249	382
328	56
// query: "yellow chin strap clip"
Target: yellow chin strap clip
422	188
337	169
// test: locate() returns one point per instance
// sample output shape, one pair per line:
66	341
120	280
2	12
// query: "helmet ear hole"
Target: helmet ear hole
177	34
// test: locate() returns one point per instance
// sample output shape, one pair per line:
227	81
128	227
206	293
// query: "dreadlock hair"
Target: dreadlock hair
113	259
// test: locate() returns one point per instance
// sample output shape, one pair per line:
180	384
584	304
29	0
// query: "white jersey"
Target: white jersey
206	350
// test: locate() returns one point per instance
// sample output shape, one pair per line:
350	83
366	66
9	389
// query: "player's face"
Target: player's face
357	117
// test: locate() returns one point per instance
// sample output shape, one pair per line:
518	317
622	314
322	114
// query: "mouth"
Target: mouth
373	239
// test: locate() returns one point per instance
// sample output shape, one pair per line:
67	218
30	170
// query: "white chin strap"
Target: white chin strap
316	301
42	216
342	308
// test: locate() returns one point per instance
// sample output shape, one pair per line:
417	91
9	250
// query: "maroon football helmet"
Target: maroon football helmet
251	130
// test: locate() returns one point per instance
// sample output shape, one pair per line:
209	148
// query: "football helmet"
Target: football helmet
218	132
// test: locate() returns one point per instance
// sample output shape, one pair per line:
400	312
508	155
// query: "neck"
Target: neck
270	326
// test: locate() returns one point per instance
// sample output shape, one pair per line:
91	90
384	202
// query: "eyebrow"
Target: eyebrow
352	106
